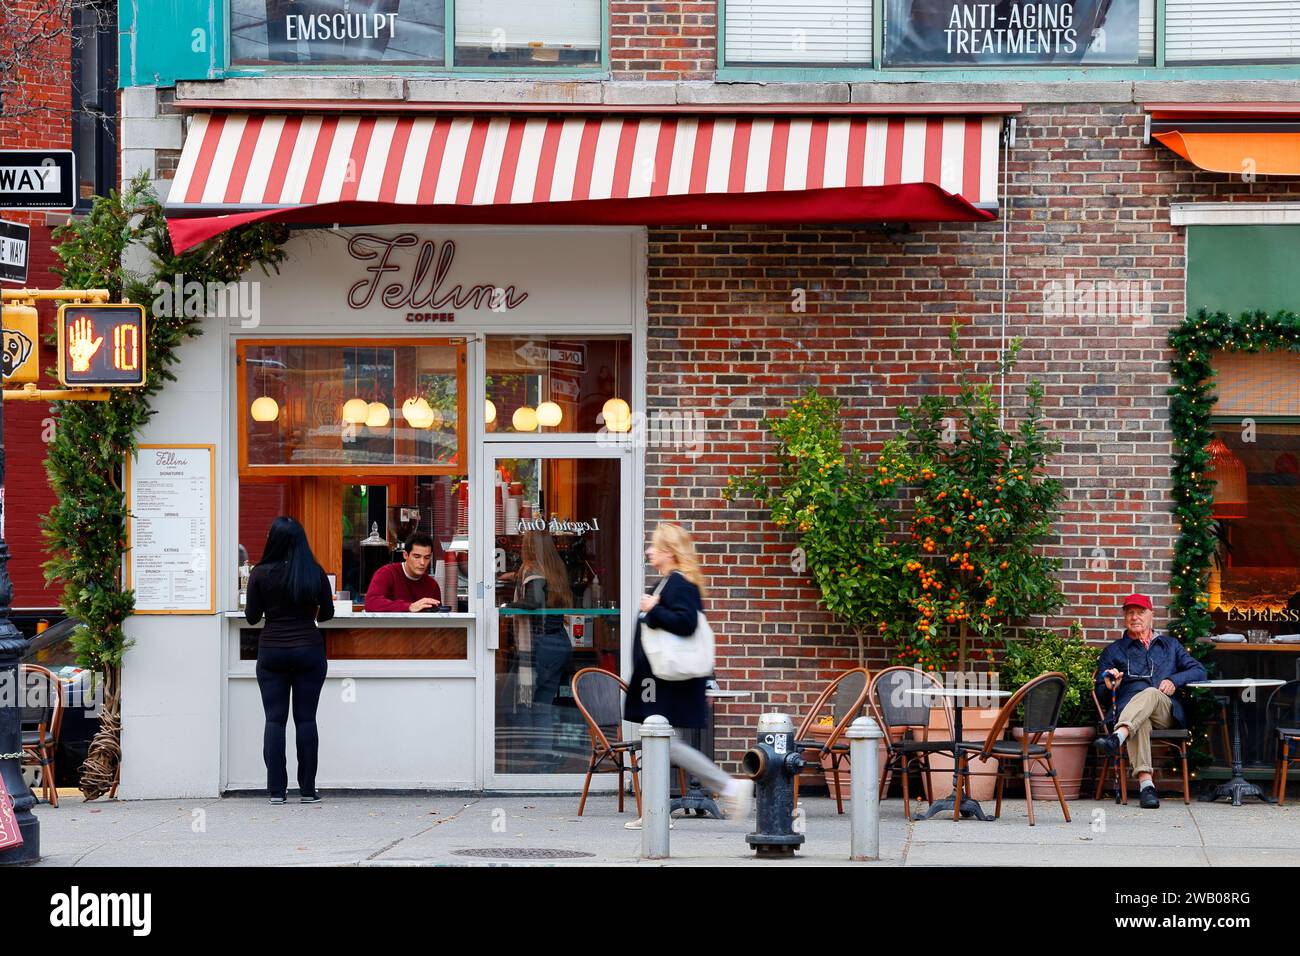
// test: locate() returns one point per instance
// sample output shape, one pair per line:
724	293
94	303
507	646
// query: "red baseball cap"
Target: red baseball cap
1141	600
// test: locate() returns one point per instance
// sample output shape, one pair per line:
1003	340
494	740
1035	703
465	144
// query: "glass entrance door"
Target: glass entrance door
560	566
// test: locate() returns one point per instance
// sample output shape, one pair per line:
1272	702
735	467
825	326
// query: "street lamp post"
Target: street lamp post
12	647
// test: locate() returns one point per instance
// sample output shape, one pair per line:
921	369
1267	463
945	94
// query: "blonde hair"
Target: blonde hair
541	556
677	541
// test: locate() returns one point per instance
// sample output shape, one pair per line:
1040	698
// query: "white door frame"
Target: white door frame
484	546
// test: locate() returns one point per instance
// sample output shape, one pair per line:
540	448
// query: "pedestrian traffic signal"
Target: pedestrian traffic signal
101	345
21	355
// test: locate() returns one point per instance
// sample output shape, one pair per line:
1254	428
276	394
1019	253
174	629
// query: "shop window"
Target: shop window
94	100
333	32
785	32
1226	31
939	33
555	385
315	408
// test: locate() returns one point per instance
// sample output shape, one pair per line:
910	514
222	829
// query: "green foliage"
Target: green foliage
85	530
935	539
1040	651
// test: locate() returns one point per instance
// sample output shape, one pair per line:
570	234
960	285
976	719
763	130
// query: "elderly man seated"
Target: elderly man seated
1150	668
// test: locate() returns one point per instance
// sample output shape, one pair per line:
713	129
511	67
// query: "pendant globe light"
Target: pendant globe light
489	412
549	414
356	409
418	412
616	413
1229	477
264	407
524	419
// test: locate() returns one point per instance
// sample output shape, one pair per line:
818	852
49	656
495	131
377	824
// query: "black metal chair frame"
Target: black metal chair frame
907	751
1177	739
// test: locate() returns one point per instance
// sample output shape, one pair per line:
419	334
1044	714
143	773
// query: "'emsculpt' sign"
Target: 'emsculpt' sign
1001	32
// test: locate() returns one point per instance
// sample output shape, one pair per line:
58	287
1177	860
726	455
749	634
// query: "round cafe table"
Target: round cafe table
960	697
1237	786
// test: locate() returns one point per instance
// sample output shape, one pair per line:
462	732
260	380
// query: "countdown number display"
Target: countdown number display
101	345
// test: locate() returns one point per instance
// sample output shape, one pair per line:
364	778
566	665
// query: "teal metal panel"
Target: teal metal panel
162	41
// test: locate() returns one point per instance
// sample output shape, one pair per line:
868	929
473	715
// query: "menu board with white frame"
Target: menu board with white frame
170	558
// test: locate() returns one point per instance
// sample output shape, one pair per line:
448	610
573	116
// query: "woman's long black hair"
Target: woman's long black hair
287	541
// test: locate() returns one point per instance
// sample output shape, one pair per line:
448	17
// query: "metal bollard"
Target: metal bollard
655	770
864	802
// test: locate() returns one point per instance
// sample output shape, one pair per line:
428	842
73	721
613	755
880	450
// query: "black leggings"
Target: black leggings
281	670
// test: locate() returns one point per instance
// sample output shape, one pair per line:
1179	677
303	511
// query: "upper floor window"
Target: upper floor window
486	33
1223	31
788	32
94	99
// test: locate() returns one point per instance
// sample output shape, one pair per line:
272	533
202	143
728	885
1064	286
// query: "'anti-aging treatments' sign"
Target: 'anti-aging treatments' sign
1010	32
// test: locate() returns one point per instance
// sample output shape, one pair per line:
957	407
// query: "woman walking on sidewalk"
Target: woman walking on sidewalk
290	588
675	606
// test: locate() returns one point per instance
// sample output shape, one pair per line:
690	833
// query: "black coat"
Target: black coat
682	702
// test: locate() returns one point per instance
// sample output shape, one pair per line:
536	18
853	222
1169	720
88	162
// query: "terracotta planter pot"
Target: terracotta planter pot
975	725
1070	748
822	733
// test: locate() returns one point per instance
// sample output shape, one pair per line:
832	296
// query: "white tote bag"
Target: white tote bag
674	657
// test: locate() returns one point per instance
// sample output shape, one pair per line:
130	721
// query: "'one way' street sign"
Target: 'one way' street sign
14	244
37	179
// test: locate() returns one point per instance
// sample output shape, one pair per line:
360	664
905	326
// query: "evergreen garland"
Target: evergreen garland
85	531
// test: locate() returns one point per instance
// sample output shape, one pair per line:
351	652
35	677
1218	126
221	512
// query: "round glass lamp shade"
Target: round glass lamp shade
524	419
549	414
489	412
376	415
418	413
617	414
1229	477
355	411
265	409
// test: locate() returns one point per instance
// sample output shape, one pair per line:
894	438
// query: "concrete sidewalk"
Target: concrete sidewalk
474	829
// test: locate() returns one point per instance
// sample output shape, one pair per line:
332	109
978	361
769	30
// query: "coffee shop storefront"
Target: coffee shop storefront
457	344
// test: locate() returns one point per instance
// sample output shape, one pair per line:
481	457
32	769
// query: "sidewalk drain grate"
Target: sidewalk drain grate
523	853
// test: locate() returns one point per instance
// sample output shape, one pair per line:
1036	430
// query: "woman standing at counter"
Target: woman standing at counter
290	588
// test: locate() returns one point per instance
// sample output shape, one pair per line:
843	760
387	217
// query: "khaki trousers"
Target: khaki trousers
1149	708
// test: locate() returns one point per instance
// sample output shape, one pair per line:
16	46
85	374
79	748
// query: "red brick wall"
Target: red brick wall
1088	201
27	495
663	41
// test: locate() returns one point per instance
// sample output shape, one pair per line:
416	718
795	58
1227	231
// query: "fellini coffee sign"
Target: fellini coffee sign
426	288
406	277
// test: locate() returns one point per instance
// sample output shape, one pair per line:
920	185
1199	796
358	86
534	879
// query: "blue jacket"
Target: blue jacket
1168	660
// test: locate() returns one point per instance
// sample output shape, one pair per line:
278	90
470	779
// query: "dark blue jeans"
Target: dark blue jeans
283	672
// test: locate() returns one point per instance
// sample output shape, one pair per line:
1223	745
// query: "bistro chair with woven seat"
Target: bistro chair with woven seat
599	696
1041	699
905	720
42	718
847	696
1177	739
1284	715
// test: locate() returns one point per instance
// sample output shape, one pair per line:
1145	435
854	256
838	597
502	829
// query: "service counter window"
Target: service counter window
559	384
364	443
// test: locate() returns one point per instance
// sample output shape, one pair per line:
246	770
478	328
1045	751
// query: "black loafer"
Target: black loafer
1108	744
1148	799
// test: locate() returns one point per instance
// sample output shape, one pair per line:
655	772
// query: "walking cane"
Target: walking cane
1112	684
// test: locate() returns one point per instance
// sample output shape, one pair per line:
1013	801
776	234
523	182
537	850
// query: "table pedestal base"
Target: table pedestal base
969	808
1237	788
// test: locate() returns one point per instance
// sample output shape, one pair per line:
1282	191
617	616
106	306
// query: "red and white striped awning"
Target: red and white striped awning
292	167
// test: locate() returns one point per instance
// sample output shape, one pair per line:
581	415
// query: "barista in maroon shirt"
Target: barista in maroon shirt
406	585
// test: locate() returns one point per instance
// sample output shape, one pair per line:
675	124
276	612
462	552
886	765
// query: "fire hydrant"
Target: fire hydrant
772	764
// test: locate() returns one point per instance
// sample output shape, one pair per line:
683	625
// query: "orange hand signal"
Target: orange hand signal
81	348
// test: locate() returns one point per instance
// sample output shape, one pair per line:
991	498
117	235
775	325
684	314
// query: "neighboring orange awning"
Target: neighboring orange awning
1256	138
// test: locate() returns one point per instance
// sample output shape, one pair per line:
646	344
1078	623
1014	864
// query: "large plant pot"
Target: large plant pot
822	733
975	725
1070	748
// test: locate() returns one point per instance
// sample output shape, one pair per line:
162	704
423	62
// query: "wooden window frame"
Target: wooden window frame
249	472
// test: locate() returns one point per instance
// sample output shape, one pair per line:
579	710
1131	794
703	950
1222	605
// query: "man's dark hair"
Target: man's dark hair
422	538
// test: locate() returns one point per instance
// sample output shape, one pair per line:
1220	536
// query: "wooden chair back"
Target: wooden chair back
598	694
1042	697
847	694
895	709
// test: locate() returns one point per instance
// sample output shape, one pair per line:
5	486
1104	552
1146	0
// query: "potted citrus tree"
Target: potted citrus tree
1040	651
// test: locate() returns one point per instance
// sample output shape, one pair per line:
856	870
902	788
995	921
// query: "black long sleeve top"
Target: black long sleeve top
287	624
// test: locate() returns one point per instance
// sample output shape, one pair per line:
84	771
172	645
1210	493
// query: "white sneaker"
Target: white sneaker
636	825
738	799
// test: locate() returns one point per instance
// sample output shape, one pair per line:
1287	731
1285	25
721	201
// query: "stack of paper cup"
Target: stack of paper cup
450	574
500	511
512	515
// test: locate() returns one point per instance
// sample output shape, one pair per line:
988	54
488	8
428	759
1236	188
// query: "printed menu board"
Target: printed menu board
170	560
